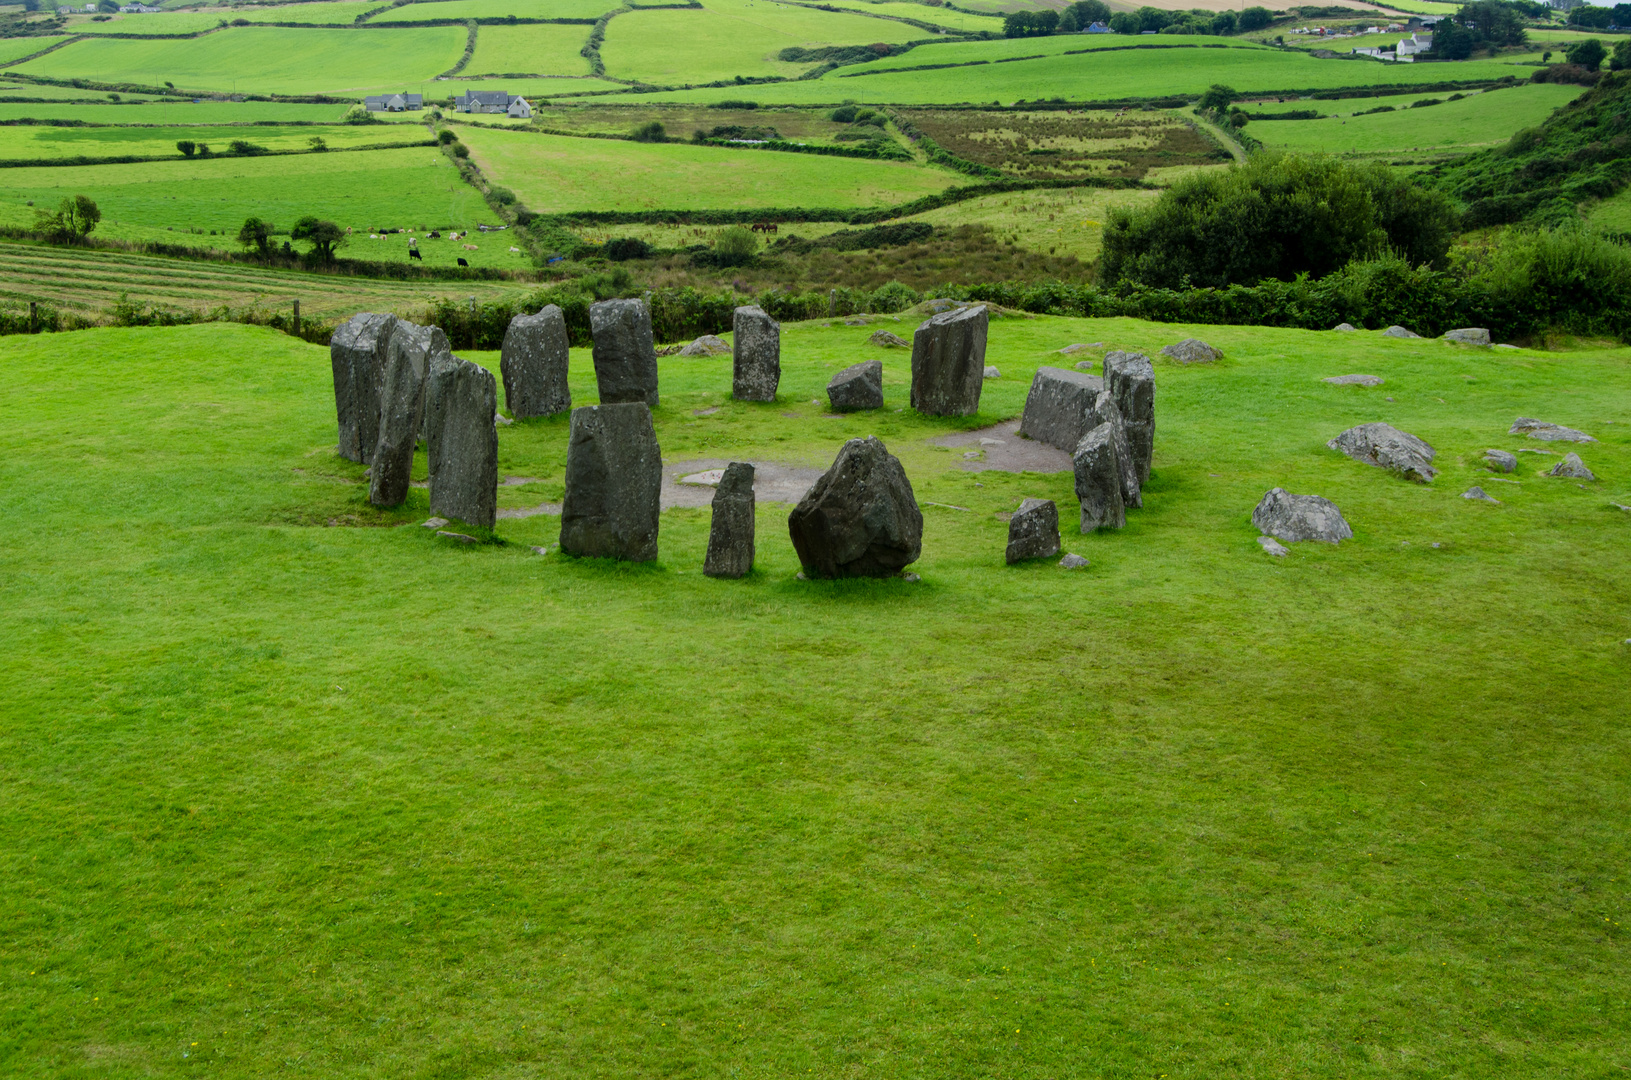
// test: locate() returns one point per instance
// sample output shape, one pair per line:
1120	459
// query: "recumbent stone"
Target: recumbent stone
1192	351
1389	448
1468	335
707	345
948	362
756	355
1547	432
1573	468
1300	517
357	356
1057	405
1500	461
857	387
534	364
625	357
730	536
1098	470
461	441
1033	531
1130	378
614	480
861	519
408	358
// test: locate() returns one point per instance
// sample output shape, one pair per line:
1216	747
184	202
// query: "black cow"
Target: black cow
463	263
413	253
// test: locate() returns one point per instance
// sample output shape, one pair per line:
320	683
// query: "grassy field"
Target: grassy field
285	798
33	142
1068	221
498	9
1062	145
361	190
339	13
176	112
1613	214
727	38
264	59
16	48
799	124
534	49
553	174
1474	122
939	16
90	282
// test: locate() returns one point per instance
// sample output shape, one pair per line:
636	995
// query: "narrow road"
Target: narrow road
1222	136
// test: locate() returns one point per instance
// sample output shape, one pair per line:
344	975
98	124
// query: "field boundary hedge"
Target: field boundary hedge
42	52
138	159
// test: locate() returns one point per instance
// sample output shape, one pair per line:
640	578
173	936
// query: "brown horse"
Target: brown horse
764	227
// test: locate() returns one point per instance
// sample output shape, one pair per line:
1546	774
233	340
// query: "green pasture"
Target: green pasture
1474	122
939	16
265	59
1571	37
791	122
183	113
537	49
15	48
360	189
554	174
498	9
337	13
1612	214
49	92
1008	49
18	143
286	795
1066	221
1003	7
726	38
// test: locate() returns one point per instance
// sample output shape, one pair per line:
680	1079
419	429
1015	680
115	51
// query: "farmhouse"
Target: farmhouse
492	101
138	8
394	103
1416	43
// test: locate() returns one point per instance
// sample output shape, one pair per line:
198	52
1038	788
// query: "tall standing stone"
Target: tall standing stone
461	440
1104	411
1098	480
625	356
534	364
614	481
860	519
948	362
1056	408
408	359
357	355
1130	378
756	355
730	536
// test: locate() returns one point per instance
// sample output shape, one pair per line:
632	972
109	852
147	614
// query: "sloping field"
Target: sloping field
726	38
338	13
64	142
533	49
967	52
939	16
264	59
554	174
174	112
91	282
1475	122
497	9
15	48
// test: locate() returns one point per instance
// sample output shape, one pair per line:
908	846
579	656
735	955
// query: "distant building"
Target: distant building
485	101
394	103
1415	43
520	108
139	8
1097	28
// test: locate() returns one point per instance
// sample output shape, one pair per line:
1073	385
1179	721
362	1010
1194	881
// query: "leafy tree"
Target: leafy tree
317	143
1492	24
1030	24
203	149
245	148
111	7
1224	22
844	114
1589	54
1255	18
324	237
445	136
1088	12
1597	18
187	147
358	114
1125	22
734	247
1237	119
460	150
256	234
1217	98
1452	41
1622	55
1155	19
75	218
652	132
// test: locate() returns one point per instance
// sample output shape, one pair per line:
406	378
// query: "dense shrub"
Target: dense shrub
626	247
650	132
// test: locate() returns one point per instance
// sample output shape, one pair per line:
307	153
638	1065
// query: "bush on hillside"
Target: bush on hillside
1274	218
626	247
734	247
1588	54
74	219
649	132
1255	18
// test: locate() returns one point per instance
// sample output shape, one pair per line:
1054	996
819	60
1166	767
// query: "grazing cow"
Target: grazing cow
435	236
413	253
471	247
463	263
514	248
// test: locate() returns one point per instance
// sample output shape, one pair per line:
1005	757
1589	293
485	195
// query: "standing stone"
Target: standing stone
861	519
408	359
730	537
1033	531
625	355
357	355
756	355
614	481
857	387
1388	448
1300	517
1104	411
461	440
534	364
1098	480
948	362
1056	408
1130	378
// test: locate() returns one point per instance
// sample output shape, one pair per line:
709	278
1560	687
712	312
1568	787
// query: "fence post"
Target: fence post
297	318
33	317
832	303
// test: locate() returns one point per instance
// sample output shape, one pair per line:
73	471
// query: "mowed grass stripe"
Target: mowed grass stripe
554	174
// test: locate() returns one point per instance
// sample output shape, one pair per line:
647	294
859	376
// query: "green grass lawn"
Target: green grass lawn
727	38
534	49
176	112
264	59
16	48
1612	214
1474	122
282	798
33	142
498	9
553	174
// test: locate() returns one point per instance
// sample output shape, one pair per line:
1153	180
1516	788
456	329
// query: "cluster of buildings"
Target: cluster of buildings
496	102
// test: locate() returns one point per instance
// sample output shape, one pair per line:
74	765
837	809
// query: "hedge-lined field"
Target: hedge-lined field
497	9
172	112
337	13
15	48
556	174
938	16
41	142
264	59
534	49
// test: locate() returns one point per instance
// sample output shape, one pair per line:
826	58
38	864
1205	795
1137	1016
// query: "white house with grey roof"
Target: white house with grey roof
499	102
394	102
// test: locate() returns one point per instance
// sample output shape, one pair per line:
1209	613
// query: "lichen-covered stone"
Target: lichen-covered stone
1192	351
614	481
1105	411
1399	332
707	345
1300	517
1389	448
1098	468
948	362
1130	378
857	387
861	519
1056	407
357	356
1572	468
1033	531
1500	461
625	356
408	357
730	535
461	441
534	364
1546	432
756	355
1468	335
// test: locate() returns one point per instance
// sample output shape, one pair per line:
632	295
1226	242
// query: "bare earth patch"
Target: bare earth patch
1003	450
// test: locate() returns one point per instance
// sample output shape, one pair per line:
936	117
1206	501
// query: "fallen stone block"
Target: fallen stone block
1571	467
1545	432
1056	407
1468	335
1292	518
861	519
1192	351
857	387
1353	380
1388	448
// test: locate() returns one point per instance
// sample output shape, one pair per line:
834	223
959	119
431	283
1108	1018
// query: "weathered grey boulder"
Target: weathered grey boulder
707	345
1469	335
1073	561
1056	408
861	518
1097	462
1105	411
614	481
1500	461
756	355
534	364
1300	517
857	387
730	536
885	339
1346	328
991	372
461	441
1354	380
1545	432
357	355
1389	448
1192	351
1399	332
948	362
1573	468
625	357
1478	493
1273	547
408	357
1130	378
1033	531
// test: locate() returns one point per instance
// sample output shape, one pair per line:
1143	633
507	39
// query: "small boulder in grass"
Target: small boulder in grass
1073	561
1468	335
1346	328
1293	518
857	388
1033	531
1572	468
1389	448
1500	461
1399	332
1273	547
885	339
1478	494
1353	380
991	372
1547	432
1192	351
707	345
